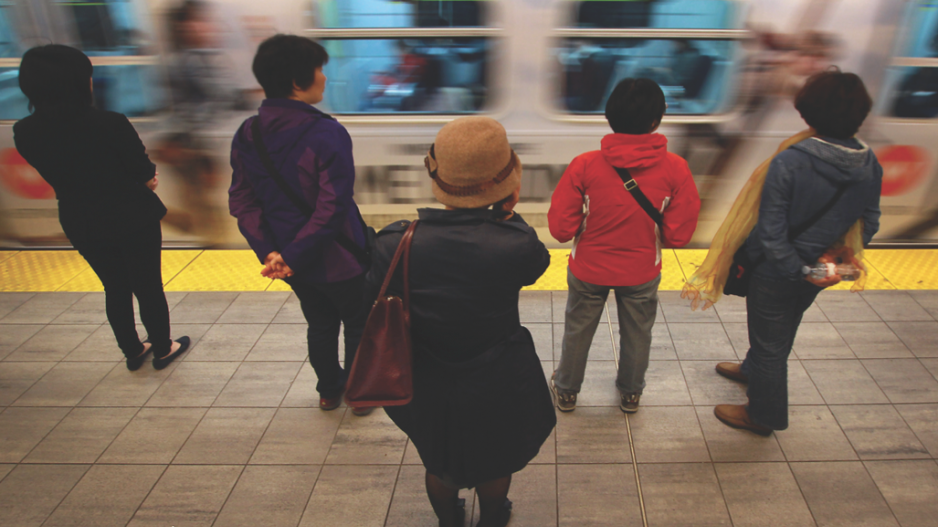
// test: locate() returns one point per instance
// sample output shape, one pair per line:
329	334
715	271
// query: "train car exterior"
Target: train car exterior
401	69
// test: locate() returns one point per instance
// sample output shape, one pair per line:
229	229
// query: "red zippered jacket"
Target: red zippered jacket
617	243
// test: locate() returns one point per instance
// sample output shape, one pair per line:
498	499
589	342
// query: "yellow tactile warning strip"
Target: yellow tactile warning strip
239	270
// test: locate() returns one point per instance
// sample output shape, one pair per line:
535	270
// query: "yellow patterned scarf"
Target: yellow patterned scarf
706	284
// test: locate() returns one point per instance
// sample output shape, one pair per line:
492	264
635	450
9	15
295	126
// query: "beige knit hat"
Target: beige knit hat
472	164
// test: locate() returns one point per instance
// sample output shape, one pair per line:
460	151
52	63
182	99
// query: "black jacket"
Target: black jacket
466	269
98	167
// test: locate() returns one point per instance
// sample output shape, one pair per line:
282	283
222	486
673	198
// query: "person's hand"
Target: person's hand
827	281
508	204
153	182
275	267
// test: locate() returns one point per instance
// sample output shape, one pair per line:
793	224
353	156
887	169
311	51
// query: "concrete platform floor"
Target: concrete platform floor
230	435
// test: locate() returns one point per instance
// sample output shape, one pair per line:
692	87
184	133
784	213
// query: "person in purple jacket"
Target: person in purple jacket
291	191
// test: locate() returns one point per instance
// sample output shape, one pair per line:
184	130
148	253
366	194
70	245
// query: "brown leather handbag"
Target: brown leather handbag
382	373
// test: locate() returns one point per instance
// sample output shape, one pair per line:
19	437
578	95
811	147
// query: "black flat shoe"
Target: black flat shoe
134	363
164	361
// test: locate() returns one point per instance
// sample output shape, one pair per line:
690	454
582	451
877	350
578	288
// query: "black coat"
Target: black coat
481	408
98	167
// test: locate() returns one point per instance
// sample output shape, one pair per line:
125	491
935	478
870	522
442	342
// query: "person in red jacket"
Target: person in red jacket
616	243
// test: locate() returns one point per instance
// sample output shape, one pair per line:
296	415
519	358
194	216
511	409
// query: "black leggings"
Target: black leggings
130	266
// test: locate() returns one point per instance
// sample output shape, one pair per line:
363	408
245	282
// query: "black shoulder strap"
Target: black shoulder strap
347	243
632	186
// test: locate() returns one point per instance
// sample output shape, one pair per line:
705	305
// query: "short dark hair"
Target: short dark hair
834	103
56	77
635	106
282	60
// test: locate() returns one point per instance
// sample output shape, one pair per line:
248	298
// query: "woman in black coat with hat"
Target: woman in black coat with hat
481	408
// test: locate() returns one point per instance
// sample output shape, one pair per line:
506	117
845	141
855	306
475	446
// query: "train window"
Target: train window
13	104
912	81
415	56
10	40
693	60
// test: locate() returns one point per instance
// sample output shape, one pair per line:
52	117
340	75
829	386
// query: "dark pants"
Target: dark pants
325	306
774	310
129	266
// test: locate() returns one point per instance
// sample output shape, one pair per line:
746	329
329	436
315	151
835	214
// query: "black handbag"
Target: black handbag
737	282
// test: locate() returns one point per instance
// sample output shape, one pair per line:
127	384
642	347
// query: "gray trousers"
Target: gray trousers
637	306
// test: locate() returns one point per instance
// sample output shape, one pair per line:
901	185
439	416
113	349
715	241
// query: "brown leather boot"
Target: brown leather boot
731	370
737	416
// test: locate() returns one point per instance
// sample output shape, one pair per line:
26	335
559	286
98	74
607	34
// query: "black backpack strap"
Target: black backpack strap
347	243
632	186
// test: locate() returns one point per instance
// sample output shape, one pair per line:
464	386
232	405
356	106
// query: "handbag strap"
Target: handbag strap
341	238
632	186
402	248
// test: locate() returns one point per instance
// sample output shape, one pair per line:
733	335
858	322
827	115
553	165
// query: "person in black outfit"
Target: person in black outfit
481	407
104	182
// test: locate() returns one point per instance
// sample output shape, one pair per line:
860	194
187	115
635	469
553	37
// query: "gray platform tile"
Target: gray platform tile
677	310
665	385
88	310
599	385
373	439
546	455
122	387
298	436
801	389
21	429
820	340
269	496
814	435
290	312
708	388
842	494
931	365
302	393
534	497
598	496
701	342
895	305
187	497
814	314
731	309
759	494
254	307
904	380
844	382
543	335
66	384
739	337
535	306
351	495
5	469
558	304
928	300
100	346
17	377
107	496
682	494
668	435
202	307
920	337
82	436
923	420
662	347
14	335
41	308
600	349
153	436
733	445
172	298
193	384
593	435
11	301
30	493
844	306
873	340
910	489
281	342
259	384
225	436
878	432
52	343
410	506
412	457
226	342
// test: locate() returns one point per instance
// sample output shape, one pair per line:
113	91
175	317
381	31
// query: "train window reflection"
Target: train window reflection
13	104
913	92
695	75
131	90
662	14
421	75
104	26
406	13
9	27
915	95
922	22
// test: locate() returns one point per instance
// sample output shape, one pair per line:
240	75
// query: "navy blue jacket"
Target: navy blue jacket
800	181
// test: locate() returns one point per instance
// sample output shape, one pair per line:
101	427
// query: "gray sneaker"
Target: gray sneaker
628	402
566	401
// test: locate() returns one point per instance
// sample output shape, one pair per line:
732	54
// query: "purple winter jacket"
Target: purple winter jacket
313	153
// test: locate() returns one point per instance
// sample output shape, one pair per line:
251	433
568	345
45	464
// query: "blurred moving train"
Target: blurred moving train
544	68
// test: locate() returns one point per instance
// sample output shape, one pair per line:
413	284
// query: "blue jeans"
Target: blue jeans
774	310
